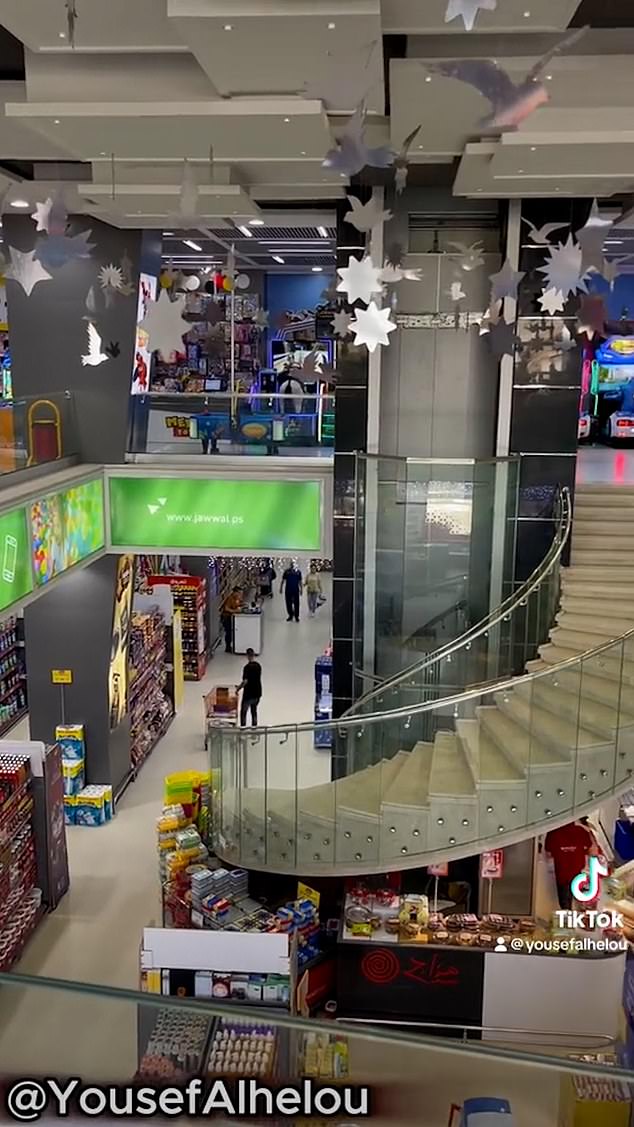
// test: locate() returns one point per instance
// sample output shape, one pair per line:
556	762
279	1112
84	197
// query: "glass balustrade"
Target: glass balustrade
495	763
217	423
423	1072
36	430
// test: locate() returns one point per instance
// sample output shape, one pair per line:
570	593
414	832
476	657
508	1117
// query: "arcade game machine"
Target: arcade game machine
613	383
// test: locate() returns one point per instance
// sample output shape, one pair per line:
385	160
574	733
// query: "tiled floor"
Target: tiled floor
94	934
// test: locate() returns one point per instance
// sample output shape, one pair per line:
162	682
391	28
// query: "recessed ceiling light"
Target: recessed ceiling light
316	269
62	34
256	223
277	258
19	203
168	232
303	153
228	27
533	148
549	77
421	146
192	244
246	232
331	26
56	121
286	120
527	15
323	232
520	170
428	78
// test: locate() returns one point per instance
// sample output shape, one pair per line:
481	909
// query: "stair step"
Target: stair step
572	696
601	494
602	690
363	791
515	741
620	572
488	762
606	665
596	589
450	772
553	728
594	542
580	641
610	607
410	787
589	624
592	556
600	526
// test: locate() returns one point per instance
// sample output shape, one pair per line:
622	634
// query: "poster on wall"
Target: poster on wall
142	355
15	558
65	529
203	514
118	676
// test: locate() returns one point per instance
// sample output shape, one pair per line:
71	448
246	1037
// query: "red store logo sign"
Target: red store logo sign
382	968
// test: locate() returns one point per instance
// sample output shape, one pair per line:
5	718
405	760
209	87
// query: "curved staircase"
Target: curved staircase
504	761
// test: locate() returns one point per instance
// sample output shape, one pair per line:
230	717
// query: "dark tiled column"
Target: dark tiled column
546	386
351	414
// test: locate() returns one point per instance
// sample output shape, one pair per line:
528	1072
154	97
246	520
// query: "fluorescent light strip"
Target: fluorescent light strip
323	232
276	258
246	232
292	242
192	244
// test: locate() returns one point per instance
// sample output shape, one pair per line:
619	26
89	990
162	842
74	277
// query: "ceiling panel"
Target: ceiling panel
240	130
474	178
113	26
156	204
427	17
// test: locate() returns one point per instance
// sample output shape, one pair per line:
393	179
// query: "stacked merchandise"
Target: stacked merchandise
176	1047
20	900
12	688
323	698
594	1101
243	1048
323	1056
70	738
151	710
190	597
208	347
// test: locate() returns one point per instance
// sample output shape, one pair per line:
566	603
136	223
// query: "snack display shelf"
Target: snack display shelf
148	701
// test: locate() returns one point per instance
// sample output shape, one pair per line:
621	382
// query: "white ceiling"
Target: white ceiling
264	83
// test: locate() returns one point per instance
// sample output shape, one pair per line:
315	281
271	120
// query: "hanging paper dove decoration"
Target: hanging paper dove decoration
511	103
341	323
366	216
401	161
505	282
371	326
41	214
95	356
539	235
188	202
350	153
563	268
591	238
470	256
468	10
56	250
392	275
26	270
552	301
456	292
359	279
165	325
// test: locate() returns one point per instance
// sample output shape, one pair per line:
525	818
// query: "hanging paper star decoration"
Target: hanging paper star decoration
505	282
56	250
371	326
394	254
365	216
552	301
261	318
341	323
51	216
563	268
165	325
359	279
591	237
468	10
502	339
26	270
110	277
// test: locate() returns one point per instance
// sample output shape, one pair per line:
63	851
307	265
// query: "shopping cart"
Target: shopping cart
220	706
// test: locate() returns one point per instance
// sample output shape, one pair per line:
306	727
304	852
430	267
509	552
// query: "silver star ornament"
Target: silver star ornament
26	270
165	325
468	10
341	323
359	279
371	326
505	282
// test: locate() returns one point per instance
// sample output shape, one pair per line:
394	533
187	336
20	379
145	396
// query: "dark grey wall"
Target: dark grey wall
70	627
48	332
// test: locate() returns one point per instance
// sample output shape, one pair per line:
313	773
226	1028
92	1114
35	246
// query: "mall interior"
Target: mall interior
316	531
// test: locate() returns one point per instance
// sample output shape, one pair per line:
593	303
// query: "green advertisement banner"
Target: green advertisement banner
212	515
16	579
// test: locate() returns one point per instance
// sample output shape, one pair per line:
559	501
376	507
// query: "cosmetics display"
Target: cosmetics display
243	1048
20	899
12	679
176	1046
151	710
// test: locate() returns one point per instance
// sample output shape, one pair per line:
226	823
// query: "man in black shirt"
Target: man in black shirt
251	689
291	585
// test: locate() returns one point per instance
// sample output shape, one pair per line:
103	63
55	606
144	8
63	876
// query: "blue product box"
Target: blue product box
72	741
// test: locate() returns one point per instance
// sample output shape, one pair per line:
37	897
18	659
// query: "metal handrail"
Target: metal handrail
505	609
588	1040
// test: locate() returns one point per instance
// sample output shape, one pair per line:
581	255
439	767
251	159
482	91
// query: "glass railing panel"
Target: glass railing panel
217	423
279	806
36	430
115	1037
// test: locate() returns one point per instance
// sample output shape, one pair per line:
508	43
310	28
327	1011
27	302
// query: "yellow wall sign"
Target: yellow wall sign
62	676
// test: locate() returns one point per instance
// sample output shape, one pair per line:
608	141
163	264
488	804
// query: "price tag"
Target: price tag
62	676
492	864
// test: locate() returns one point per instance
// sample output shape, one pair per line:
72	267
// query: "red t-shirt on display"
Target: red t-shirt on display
569	846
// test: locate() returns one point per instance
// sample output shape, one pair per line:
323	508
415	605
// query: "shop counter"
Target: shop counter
247	631
468	986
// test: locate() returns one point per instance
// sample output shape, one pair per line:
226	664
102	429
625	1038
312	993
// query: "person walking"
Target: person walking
291	585
313	590
251	688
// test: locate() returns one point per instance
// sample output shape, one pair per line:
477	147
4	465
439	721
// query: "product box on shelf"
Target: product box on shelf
70	802
94	806
71	738
74	776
